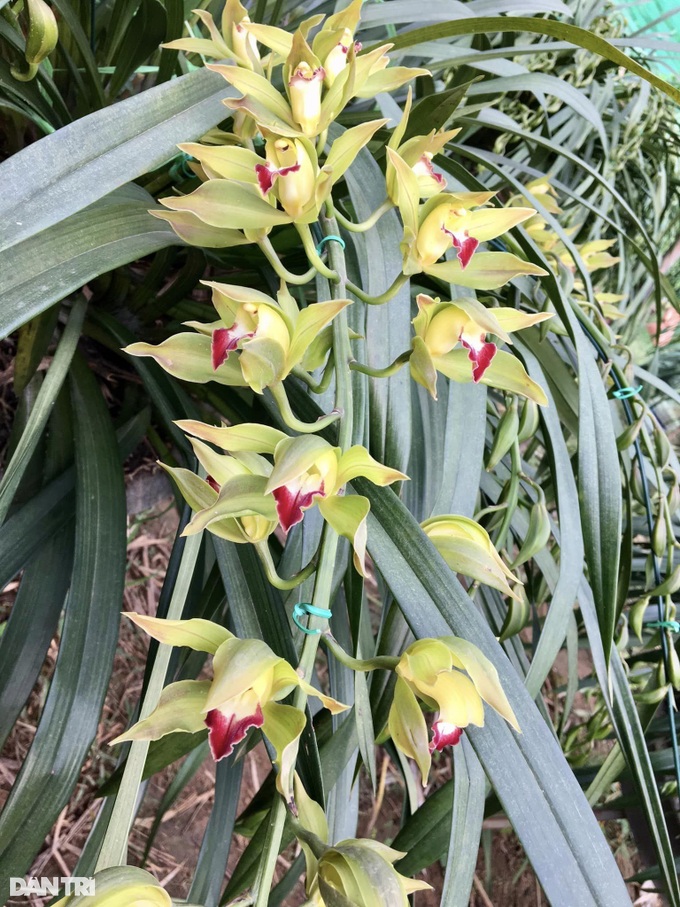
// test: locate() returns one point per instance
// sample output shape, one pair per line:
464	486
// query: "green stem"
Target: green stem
315	844
313	256
317	387
114	847
278	392
277	581
386	662
365	225
389	293
323	581
386	372
281	271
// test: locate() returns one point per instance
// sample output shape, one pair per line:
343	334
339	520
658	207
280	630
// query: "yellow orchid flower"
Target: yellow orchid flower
417	152
234	41
441	326
450	676
256	343
458	221
249	680
307	471
357	871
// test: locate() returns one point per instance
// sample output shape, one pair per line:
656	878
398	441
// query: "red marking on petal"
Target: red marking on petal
464	244
265	177
290	503
444	735
225	341
316	75
480	357
225	731
357	46
425	163
286	170
213	484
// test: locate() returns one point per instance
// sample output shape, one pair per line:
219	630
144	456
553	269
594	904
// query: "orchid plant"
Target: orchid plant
257	482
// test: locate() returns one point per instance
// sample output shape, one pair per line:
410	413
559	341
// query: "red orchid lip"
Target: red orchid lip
444	735
225	341
290	505
464	244
481	358
225	731
266	175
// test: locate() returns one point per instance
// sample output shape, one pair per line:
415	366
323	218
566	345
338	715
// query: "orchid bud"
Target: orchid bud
538	533
467	549
659	533
361	873
42	37
121	886
304	89
529	421
506	435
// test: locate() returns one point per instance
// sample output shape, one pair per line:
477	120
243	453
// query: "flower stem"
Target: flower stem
365	225
386	662
317	387
281	271
386	372
389	293
281	398
313	256
114	847
323	581
273	577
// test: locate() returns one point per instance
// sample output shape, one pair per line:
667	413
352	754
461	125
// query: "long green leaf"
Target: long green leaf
469	793
42	408
580	37
46	267
100	152
71	714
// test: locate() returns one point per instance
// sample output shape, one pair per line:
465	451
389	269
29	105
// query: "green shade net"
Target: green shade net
657	18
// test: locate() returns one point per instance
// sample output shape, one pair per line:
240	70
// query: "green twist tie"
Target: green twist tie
305	608
332	238
672	625
623	393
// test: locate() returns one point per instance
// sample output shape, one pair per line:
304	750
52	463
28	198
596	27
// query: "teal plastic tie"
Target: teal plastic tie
672	625
303	609
623	393
329	239
180	168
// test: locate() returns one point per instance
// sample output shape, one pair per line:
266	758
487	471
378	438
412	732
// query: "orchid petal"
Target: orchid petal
407	728
283	725
226	729
196	633
181	707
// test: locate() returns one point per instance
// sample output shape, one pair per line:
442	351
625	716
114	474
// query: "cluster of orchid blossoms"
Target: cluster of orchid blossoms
594	253
278	168
449	676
